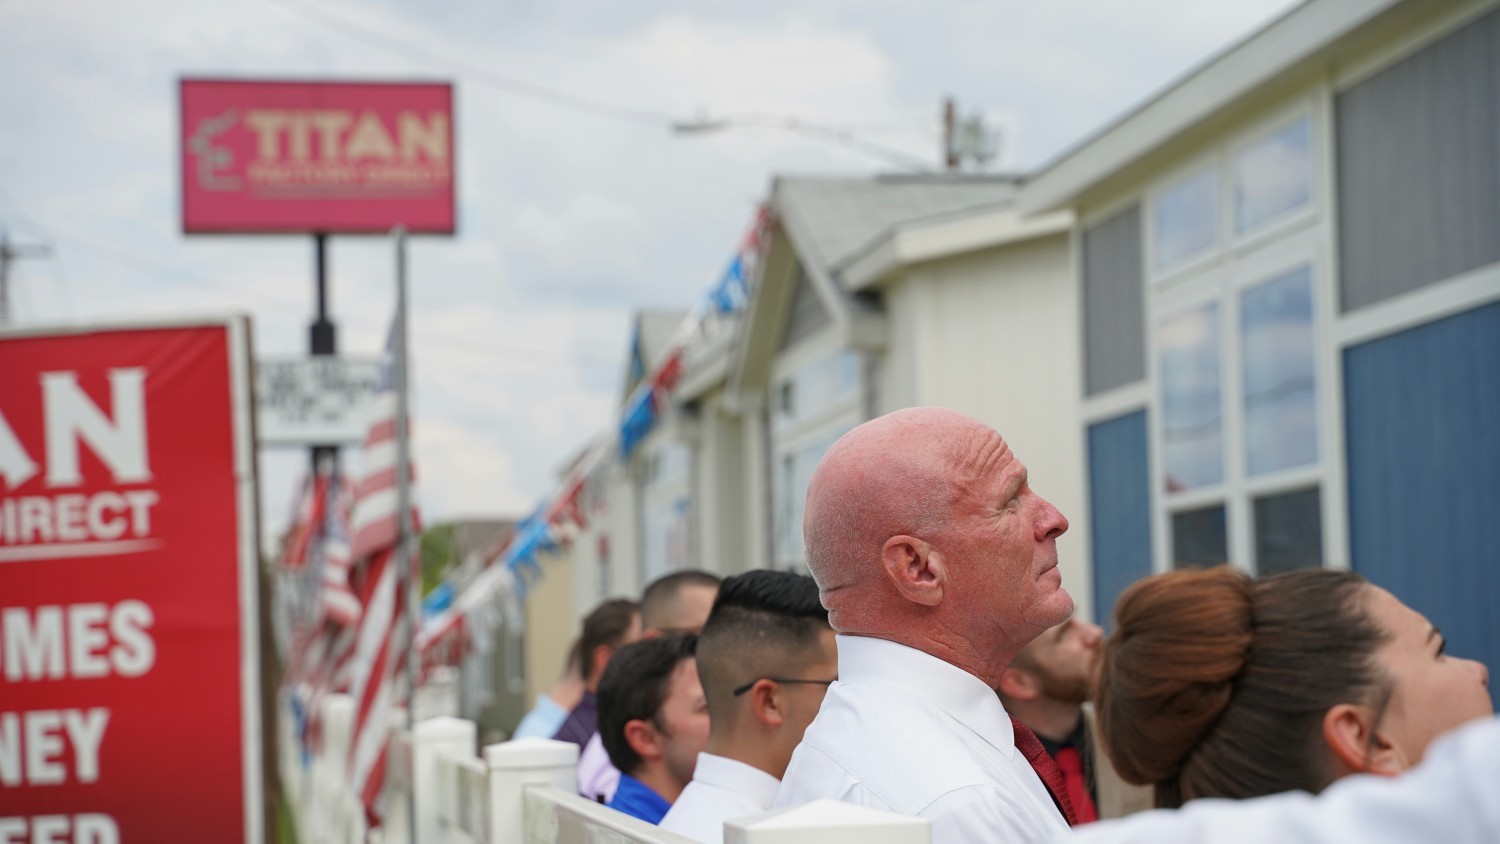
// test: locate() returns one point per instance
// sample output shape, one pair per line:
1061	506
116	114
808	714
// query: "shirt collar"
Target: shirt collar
734	775
952	689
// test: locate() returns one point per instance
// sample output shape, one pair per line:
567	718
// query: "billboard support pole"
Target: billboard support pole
409	584
323	339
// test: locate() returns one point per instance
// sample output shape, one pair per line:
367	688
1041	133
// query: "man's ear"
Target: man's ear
1019	684
915	568
643	738
766	702
1349	729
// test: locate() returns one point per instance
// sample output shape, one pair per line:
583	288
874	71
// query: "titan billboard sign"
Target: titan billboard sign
316	157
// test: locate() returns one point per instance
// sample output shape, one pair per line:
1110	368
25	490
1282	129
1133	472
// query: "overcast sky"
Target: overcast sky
567	220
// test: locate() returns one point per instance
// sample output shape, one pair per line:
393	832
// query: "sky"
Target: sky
569	218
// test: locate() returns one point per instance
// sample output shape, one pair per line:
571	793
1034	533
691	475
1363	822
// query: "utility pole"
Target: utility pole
10	253
950	139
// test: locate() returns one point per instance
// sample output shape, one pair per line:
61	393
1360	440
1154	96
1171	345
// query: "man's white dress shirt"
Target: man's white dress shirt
1452	797
905	731
721	789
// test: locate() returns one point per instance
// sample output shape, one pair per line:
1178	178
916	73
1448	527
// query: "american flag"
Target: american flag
380	641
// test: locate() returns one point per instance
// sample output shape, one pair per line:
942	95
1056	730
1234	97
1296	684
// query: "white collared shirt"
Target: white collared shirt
905	731
722	789
1450	797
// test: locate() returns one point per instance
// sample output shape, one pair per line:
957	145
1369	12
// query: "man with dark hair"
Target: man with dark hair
673	603
1047	687
766	658
678	602
653	721
612	625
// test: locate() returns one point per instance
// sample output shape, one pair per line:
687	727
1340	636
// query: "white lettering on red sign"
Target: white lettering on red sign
79	641
90	828
71	420
32	751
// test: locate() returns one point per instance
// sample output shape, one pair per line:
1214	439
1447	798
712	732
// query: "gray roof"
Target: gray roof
837	217
656	328
653	329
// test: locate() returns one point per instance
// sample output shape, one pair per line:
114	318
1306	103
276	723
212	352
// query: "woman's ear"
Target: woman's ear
917	571
1350	731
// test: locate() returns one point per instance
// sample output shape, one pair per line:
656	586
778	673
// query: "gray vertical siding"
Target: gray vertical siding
1419	168
1113	303
1423	436
1120	508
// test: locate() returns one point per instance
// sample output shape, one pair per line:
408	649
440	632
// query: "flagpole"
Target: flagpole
408	585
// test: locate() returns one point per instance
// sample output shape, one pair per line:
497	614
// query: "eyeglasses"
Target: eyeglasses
745	688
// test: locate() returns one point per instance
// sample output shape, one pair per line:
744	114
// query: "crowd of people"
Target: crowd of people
931	666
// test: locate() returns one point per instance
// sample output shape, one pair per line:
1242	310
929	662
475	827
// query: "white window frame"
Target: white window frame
1303	237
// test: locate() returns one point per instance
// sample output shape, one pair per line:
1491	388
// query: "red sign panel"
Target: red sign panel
316	156
129	708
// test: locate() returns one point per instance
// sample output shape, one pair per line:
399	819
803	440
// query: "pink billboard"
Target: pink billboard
335	157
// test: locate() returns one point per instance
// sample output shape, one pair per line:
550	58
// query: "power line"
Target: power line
485	76
841	135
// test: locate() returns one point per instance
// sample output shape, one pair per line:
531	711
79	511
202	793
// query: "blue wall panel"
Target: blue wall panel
1120	509
1422	414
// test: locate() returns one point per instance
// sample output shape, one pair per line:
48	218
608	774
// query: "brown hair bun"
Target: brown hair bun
1216	685
1168	671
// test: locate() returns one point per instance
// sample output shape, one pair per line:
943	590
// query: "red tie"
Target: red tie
1071	765
1052	776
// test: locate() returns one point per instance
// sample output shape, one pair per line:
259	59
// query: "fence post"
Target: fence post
430	738
513	765
828	822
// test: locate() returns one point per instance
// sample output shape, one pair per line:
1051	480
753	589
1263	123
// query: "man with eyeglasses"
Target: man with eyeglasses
766	658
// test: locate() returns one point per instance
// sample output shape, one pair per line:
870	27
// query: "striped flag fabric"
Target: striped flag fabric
381	637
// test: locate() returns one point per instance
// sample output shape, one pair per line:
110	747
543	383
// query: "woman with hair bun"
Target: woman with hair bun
1214	684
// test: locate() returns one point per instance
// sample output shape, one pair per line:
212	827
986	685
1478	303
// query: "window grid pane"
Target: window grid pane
1288	531
1192	416
1185	219
1273	177
1280	383
1200	537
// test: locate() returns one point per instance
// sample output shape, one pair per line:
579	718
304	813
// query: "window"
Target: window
1192	417
794	472
821	400
1200	537
817	388
1280	387
666	512
1288	531
1233	313
1184	220
1273	177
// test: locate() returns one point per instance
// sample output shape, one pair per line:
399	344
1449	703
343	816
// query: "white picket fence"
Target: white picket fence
517	792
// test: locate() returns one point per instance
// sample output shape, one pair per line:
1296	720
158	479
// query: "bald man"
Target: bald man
937	563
